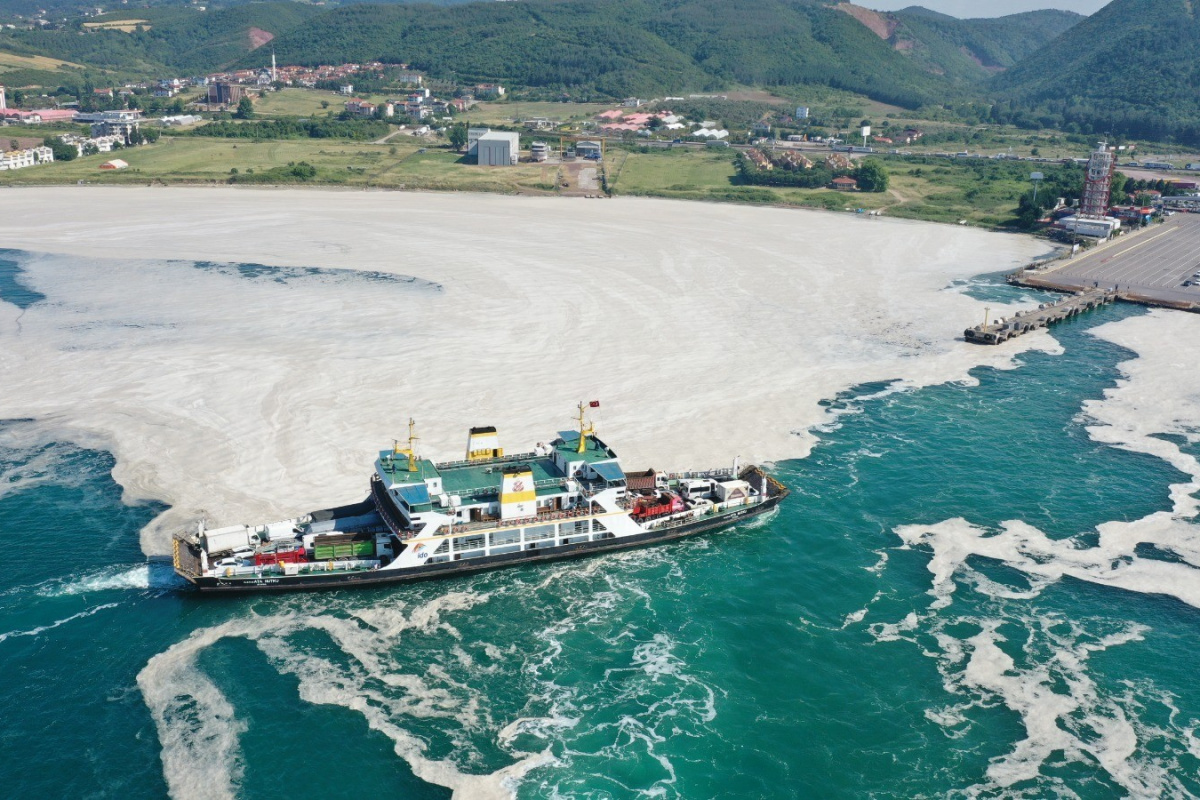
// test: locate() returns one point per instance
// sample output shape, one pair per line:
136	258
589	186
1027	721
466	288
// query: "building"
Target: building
224	94
801	112
19	159
1091	227
588	149
844	184
122	128
116	163
539	151
498	149
361	108
489	91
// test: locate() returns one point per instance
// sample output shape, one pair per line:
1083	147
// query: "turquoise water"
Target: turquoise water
800	656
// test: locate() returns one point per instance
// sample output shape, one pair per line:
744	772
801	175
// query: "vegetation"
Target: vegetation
1131	68
292	128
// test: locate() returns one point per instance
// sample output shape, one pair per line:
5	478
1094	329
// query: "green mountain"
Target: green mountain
1132	68
972	50
620	47
172	41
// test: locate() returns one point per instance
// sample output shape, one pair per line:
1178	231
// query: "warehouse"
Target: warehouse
498	149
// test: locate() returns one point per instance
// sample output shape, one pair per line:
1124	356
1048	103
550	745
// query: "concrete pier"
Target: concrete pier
1157	266
1043	316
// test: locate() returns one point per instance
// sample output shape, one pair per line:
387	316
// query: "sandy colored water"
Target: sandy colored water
706	331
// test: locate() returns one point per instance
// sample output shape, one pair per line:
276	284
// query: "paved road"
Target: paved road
1155	262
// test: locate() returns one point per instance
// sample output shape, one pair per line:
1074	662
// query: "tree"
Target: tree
62	151
457	133
245	109
871	176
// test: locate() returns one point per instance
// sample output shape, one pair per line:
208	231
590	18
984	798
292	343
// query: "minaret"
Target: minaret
3	103
274	75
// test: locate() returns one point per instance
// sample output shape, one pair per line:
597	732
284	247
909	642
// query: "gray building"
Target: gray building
498	149
585	149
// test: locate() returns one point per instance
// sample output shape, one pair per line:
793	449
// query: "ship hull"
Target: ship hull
291	583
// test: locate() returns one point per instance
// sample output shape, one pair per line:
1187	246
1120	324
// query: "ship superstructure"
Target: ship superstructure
422	519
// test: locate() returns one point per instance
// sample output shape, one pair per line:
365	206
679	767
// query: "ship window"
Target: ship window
510	548
597	525
472	554
506	537
605	535
471	542
539	532
569	528
444	547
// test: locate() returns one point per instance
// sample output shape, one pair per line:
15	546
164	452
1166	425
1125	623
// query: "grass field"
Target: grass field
397	164
11	61
506	113
123	25
943	193
292	102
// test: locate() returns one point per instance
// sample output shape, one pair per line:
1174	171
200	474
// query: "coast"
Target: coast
706	331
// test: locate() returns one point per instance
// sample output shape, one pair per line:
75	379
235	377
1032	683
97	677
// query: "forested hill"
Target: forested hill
1131	68
619	47
973	50
584	48
172	41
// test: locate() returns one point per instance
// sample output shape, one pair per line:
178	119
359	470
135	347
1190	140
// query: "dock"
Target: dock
1045	315
1156	266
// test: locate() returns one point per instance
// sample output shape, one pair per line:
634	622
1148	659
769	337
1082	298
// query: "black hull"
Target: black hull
281	583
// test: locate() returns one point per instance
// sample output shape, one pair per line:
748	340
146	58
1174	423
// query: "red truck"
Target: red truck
649	507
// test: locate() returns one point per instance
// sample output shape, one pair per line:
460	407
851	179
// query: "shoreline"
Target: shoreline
601	194
706	331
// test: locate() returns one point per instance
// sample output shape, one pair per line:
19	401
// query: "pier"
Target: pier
1156	266
1045	315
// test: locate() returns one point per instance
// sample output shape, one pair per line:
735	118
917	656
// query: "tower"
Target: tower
3	103
1097	184
274	74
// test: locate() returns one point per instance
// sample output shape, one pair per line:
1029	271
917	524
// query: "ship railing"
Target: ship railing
541	518
720	472
335	565
479	461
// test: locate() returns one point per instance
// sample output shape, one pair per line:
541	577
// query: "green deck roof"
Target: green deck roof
595	451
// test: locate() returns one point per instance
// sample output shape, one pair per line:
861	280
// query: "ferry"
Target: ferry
421	520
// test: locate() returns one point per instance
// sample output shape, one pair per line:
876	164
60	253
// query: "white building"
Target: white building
473	135
1091	227
801	112
19	159
498	149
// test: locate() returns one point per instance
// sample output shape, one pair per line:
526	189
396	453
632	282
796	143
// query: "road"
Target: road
1154	263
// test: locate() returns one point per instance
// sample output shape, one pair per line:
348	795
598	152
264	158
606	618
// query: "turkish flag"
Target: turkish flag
594	404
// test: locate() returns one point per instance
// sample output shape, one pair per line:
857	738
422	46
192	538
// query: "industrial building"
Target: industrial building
1091	227
226	94
498	149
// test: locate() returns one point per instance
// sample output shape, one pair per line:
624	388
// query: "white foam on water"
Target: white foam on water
153	575
1159	393
38	631
247	398
199	730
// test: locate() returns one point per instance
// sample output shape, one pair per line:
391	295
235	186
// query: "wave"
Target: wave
152	575
57	623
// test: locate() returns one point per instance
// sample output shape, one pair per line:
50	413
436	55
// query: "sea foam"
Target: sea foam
239	393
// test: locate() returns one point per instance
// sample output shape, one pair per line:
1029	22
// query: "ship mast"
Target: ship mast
409	451
585	429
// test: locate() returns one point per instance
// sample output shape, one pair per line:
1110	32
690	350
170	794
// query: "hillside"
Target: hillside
171	40
619	47
1132	68
975	49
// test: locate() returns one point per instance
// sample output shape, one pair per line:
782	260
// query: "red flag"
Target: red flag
594	404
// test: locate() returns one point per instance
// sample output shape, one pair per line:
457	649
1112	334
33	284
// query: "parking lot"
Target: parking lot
1155	263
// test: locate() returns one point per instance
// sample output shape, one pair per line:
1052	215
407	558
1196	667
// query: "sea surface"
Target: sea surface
811	654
